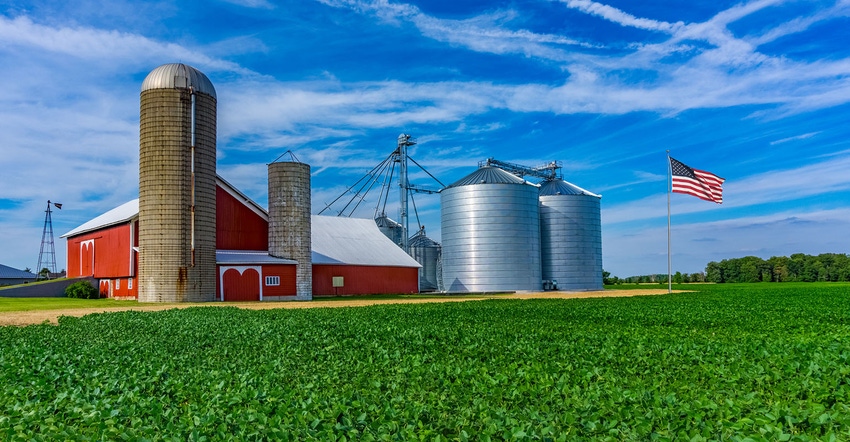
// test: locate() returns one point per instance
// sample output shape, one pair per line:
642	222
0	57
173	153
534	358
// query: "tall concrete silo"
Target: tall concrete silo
490	233
427	252
177	155
571	236
289	220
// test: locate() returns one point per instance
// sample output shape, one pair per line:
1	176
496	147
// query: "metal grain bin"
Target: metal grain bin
571	236
389	228
491	233
177	189
426	251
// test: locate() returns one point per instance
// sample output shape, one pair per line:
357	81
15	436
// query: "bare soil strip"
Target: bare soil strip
52	316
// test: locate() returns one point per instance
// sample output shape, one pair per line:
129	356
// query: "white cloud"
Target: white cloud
105	47
618	16
260	4
794	138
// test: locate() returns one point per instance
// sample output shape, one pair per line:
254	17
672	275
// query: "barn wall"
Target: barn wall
287	280
104	253
237	226
121	288
244	282
364	280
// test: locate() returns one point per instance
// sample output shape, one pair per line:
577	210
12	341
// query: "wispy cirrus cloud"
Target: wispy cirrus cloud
105	46
720	70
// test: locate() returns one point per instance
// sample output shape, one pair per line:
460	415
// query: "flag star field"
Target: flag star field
757	92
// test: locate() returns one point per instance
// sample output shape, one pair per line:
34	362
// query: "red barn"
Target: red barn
349	256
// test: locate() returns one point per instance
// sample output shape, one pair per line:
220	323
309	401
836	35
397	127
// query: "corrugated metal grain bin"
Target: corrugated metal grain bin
390	228
490	233
571	236
426	251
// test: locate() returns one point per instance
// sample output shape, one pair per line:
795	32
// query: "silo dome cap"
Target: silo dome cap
178	75
488	175
561	187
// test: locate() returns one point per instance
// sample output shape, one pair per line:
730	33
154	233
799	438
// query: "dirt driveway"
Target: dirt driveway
40	316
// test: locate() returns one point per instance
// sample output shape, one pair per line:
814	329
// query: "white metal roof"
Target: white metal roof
249	257
355	241
118	215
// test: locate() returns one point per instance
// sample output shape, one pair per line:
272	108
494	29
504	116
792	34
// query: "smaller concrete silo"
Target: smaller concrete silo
290	221
427	252
570	236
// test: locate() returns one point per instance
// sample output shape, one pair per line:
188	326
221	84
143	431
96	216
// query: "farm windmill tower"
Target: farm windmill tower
177	190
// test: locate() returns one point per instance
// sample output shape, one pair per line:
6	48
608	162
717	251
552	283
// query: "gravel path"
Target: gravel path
51	316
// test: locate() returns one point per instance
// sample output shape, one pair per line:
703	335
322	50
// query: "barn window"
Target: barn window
272	280
130	283
117	284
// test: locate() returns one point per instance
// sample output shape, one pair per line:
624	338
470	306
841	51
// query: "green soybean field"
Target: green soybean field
725	362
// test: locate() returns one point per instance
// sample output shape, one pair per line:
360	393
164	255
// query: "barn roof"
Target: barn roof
248	257
118	215
354	241
7	272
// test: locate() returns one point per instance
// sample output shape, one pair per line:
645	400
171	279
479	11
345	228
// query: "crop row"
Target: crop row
723	364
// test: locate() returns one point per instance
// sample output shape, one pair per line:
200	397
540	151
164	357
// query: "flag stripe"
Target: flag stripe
695	182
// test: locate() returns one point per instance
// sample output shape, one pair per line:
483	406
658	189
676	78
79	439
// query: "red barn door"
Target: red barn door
240	284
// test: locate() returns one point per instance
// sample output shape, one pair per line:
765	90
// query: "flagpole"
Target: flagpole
669	254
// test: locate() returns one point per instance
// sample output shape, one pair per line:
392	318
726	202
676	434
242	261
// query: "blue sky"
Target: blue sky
757	92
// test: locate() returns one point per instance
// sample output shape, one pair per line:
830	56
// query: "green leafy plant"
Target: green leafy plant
82	290
729	362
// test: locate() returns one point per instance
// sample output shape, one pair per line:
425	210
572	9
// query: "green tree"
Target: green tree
713	272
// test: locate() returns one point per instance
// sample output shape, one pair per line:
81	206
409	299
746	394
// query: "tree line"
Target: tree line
678	278
797	267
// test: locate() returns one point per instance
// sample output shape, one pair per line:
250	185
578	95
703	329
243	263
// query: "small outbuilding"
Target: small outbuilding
13	276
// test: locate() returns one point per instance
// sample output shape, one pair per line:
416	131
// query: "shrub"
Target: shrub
82	290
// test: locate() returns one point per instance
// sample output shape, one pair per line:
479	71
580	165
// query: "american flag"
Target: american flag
699	183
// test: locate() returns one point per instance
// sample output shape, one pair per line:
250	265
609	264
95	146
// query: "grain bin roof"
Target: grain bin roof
354	241
420	240
561	187
178	75
487	175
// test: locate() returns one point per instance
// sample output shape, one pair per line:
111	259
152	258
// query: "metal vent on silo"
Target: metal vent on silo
426	252
571	236
290	226
177	189
490	233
